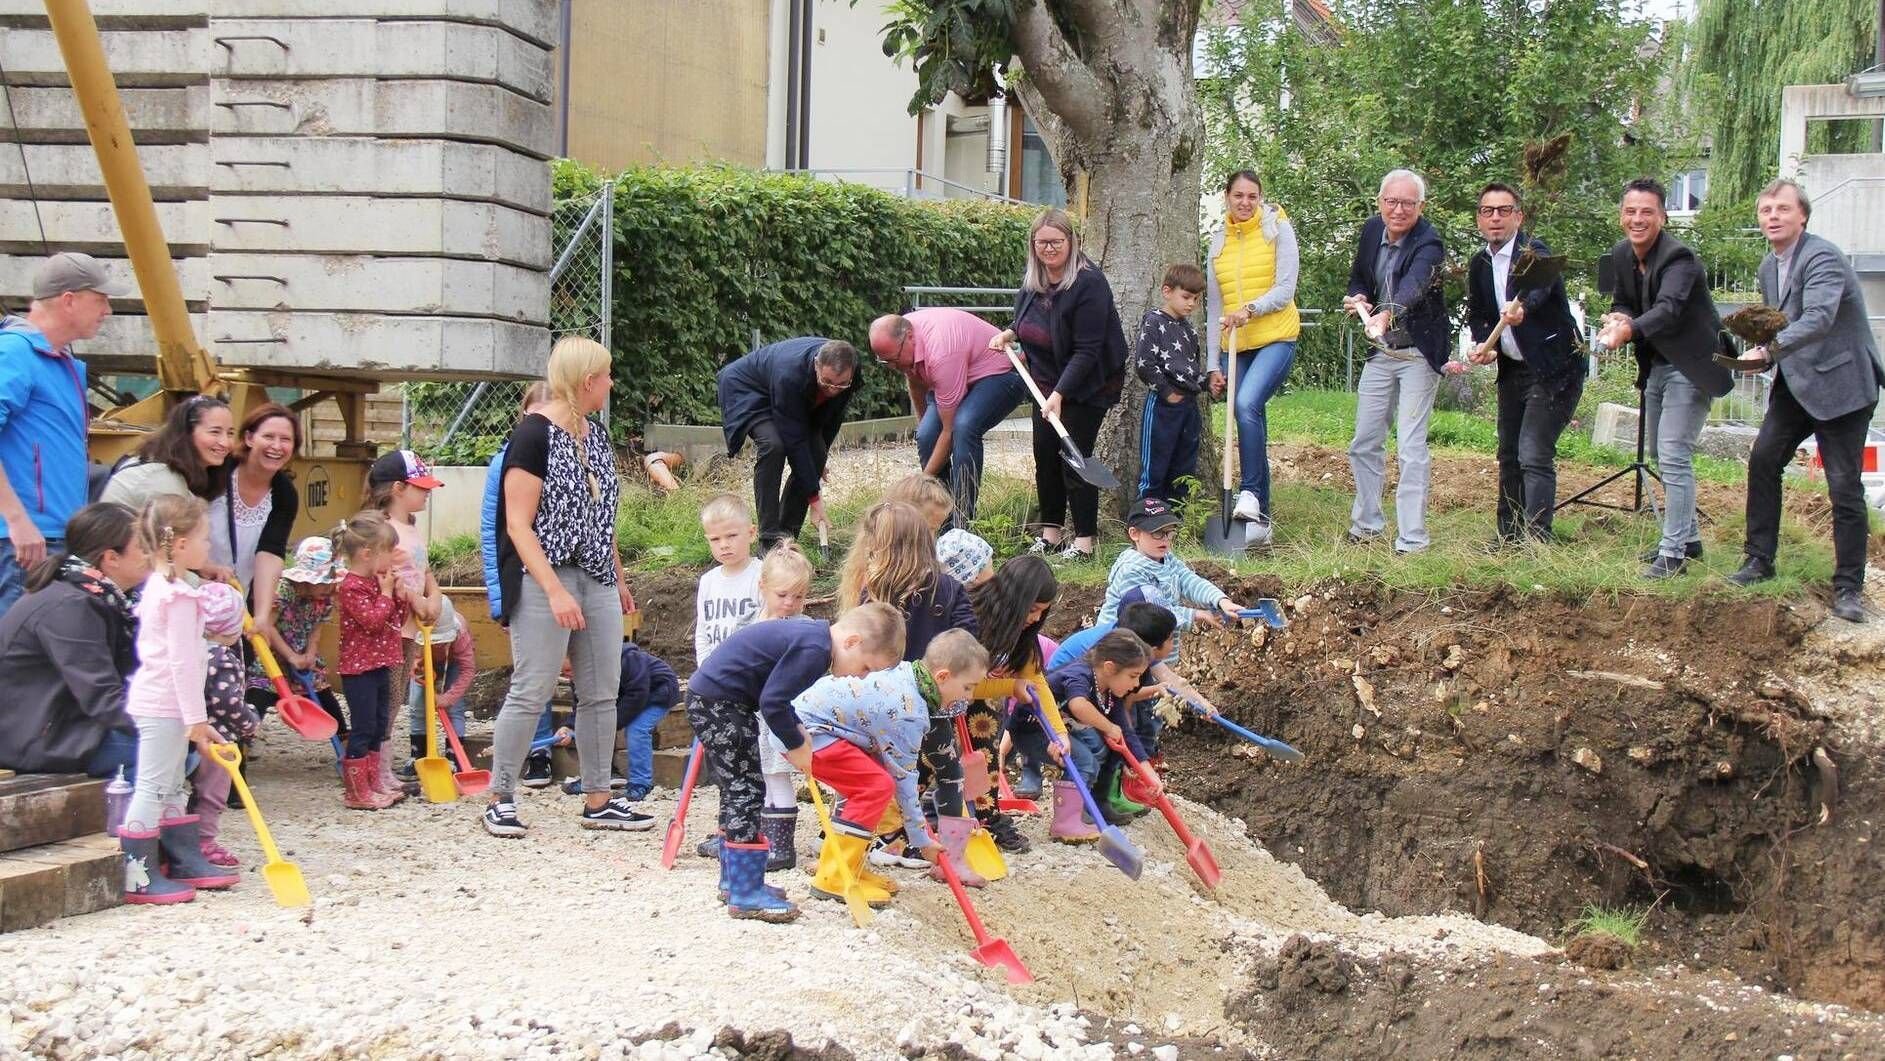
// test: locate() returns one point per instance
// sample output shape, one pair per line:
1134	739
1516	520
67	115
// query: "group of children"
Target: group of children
935	653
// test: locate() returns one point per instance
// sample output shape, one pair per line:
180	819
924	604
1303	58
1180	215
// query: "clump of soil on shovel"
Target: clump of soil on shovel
1755	324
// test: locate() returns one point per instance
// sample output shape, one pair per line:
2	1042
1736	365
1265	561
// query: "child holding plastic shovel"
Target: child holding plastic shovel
1095	691
865	734
165	699
1010	610
304	602
755	674
454	666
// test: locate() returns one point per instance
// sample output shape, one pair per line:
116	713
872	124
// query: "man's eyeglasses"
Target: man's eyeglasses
1049	244
1505	210
834	386
1398	204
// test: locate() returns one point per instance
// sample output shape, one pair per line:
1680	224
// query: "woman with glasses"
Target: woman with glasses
1250	278
1075	350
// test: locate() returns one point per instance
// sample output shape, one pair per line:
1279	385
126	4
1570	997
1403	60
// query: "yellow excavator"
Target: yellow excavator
330	486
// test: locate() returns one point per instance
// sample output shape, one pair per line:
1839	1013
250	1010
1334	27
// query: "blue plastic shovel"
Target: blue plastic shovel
306	679
1277	749
1269	610
1118	850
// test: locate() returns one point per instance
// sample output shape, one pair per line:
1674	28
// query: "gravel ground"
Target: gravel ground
428	938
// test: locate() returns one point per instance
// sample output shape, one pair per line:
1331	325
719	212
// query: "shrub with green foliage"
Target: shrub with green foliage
707	255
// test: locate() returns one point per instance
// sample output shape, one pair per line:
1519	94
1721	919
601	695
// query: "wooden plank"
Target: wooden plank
671	767
32	893
40	809
94	873
674	730
65	879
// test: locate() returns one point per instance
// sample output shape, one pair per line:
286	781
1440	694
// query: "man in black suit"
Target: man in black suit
1827	374
1662	304
1541	376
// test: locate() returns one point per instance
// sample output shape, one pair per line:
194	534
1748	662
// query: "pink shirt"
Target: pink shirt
173	660
952	352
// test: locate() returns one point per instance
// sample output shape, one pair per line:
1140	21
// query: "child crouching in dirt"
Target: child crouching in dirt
648	692
304	602
754	674
865	734
1097	691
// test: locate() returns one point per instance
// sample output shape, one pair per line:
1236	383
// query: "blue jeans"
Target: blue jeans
13	576
1085	743
117	749
1674	411
415	703
1260	374
640	741
1147	724
988	402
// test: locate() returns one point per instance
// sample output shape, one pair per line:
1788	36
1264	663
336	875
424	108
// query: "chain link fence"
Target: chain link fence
464	422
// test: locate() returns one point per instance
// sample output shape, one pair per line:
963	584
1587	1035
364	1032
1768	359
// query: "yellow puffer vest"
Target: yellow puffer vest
1245	269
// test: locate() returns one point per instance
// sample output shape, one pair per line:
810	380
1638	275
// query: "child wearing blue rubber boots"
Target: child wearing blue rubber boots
755	673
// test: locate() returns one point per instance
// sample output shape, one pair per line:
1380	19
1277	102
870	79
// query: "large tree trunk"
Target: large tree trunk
1109	84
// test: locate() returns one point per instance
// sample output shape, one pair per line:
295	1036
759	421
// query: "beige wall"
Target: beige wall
660	81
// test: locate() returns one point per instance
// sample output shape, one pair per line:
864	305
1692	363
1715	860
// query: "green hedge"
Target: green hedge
706	254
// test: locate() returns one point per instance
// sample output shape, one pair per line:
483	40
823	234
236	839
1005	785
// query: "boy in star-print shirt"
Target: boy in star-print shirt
1167	360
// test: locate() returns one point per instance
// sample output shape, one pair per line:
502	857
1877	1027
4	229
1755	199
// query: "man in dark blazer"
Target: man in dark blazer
1541	375
789	397
1827	374
1394	286
1662	305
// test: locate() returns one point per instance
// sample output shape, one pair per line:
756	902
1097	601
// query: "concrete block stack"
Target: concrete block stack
346	185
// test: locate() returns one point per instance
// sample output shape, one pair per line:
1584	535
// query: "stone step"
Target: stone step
42	884
278	48
671	767
40	809
674	730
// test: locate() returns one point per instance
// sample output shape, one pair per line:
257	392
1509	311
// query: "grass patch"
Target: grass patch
1624	923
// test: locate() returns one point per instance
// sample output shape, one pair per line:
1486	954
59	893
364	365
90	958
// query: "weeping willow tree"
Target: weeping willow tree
1743	52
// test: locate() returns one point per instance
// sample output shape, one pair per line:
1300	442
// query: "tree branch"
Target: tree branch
1067	87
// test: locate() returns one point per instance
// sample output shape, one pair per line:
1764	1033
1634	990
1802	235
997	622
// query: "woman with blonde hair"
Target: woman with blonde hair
1250	277
1075	351
563	591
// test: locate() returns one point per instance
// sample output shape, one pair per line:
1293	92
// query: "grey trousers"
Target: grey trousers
538	647
1674	411
1403	392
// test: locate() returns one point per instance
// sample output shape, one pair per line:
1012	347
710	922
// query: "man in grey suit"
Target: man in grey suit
1827	374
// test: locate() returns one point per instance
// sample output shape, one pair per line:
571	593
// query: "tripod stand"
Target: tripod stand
1637	468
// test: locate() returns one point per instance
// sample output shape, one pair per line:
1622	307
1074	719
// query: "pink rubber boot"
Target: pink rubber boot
1070	824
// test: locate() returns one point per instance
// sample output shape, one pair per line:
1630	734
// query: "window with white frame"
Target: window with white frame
1687	192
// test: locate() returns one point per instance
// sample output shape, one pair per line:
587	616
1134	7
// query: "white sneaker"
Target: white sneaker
882	856
1257	534
1247	508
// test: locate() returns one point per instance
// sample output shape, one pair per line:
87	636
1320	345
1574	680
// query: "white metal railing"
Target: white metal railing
910	183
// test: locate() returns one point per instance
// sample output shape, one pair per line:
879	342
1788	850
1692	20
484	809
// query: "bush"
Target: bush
706	255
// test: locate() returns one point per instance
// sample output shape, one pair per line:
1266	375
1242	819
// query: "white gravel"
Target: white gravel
429	939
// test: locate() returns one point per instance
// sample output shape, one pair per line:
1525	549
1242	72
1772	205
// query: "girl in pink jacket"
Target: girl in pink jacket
165	700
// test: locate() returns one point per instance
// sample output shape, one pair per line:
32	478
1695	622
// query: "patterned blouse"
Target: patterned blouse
297	618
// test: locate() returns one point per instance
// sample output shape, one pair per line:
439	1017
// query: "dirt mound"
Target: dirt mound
1519	757
1316	999
1598	950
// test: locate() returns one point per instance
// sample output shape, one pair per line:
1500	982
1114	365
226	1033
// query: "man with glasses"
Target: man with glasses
1662	305
1541	375
959	386
789	397
1395	287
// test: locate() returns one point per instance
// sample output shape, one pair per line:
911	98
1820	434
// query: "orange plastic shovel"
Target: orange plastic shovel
1197	852
992	951
470	782
302	715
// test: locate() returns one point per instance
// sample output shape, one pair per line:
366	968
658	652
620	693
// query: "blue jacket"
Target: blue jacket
43	420
764	666
487	529
885	715
647	682
778	383
1418	284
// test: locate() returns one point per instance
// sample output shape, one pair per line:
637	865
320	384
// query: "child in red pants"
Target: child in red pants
866	733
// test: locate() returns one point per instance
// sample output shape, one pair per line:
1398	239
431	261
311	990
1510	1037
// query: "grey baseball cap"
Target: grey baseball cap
72	271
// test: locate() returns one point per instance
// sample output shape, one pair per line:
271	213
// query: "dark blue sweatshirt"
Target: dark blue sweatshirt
766	665
1078	680
646	682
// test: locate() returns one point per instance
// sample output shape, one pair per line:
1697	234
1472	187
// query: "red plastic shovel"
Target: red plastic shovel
1009	802
302	715
677	829
1197	852
992	951
974	763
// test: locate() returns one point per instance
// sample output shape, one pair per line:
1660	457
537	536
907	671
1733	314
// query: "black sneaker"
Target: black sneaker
536	772
617	814
500	819
1691	551
1665	567
1007	837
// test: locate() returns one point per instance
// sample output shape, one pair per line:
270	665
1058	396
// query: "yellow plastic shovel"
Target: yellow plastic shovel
861	912
435	774
283	877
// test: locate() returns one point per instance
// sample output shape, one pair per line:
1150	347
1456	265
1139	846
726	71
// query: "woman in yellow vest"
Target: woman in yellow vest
1251	285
